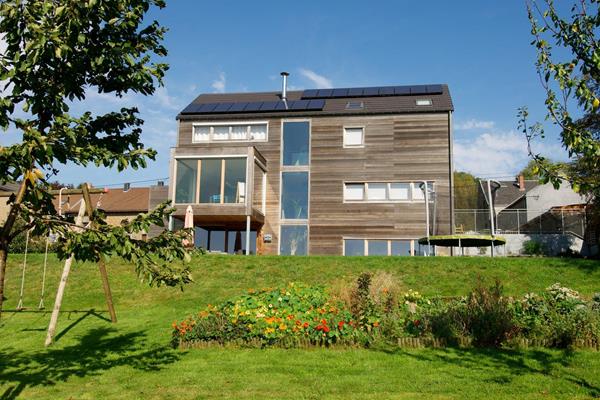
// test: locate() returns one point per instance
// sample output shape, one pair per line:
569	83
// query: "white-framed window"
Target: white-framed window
377	191
423	102
354	136
383	192
233	132
383	247
354	191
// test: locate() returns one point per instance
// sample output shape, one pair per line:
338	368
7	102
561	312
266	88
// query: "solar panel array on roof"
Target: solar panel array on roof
255	106
372	91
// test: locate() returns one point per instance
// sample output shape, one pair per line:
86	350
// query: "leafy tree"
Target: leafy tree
531	170
570	85
56	51
465	191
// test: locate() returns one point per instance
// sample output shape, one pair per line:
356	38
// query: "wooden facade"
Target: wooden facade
409	147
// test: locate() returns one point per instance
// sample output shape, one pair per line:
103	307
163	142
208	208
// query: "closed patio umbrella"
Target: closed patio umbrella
189	223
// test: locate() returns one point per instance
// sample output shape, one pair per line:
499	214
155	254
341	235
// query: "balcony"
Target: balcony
214	181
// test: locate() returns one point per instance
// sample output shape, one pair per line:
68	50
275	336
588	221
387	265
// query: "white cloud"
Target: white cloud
473	124
219	83
320	81
498	154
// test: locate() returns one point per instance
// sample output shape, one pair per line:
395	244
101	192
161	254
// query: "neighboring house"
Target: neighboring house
329	171
119	204
518	203
4	207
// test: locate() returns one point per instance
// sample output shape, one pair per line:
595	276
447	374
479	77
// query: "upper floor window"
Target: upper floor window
243	131
354	137
296	142
380	192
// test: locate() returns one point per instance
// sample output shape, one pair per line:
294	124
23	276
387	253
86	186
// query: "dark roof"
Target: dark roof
134	200
509	192
389	104
9	187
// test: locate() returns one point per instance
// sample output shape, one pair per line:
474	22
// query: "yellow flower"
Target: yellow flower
269	330
282	327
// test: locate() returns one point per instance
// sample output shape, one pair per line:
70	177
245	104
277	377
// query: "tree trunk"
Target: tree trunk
3	260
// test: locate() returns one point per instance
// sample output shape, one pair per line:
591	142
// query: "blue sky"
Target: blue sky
480	49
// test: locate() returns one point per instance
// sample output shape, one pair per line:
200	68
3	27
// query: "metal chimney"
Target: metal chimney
284	75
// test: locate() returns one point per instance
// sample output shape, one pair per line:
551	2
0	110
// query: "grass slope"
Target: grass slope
95	359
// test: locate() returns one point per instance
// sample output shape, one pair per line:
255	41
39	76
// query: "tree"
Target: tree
56	51
531	170
569	84
465	191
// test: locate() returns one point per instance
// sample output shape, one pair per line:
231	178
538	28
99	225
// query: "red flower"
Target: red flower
306	325
340	324
325	329
324	322
416	322
319	327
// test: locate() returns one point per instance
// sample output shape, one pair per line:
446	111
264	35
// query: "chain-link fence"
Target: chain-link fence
521	221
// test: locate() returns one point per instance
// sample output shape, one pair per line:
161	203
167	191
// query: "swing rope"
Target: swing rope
20	305
41	306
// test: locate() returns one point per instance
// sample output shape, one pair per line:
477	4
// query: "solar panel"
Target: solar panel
340	93
268	106
281	106
401	90
254	106
237	107
355	92
317	104
299	105
324	93
386	91
207	108
434	89
418	89
371	91
309	93
223	107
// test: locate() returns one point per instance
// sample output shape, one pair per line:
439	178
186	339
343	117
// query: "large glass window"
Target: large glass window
185	188
201	133
210	181
235	178
354	247
296	138
293	240
294	195
383	192
258	132
400	248
378	247
255	131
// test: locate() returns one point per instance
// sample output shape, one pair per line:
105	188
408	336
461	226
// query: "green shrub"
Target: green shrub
534	248
489	317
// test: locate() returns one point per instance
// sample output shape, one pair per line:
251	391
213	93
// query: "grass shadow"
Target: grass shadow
504	364
97	351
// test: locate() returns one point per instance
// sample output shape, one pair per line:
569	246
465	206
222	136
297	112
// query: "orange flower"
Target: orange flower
290	317
376	324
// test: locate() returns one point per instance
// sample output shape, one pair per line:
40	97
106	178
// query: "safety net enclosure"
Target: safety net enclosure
463	240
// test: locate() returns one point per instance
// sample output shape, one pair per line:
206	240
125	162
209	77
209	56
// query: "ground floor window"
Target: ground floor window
293	240
224	241
385	247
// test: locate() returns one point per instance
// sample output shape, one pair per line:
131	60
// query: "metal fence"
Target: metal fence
522	221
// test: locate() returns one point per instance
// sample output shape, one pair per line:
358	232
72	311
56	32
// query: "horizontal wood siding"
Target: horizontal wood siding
397	148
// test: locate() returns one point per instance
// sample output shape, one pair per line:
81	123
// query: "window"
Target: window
399	191
296	137
294	195
355	105
354	247
353	137
221	133
210	181
418	192
380	192
377	191
234	183
354	191
382	247
424	102
185	187
253	131
378	247
201	133
293	240
400	248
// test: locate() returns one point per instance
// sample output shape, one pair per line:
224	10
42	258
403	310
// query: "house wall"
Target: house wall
411	148
4	209
543	197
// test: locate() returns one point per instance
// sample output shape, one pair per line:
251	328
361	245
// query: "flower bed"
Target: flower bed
299	316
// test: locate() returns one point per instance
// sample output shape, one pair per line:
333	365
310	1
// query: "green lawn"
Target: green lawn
94	359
